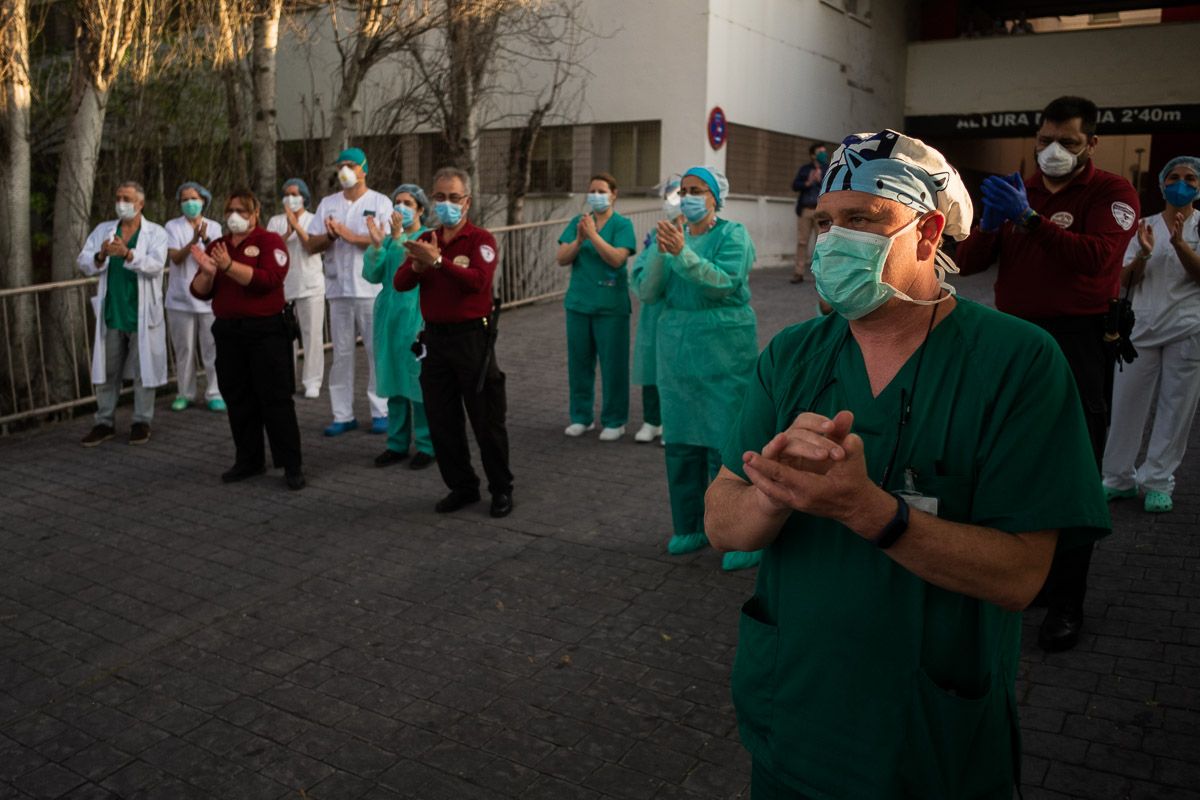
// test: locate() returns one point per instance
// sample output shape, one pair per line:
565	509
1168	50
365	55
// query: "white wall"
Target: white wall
805	68
1119	66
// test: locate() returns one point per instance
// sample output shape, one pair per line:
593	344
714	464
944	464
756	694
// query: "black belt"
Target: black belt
452	328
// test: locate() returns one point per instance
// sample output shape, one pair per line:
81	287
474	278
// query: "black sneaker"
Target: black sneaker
294	479
420	460
502	504
456	500
240	472
98	434
139	433
389	457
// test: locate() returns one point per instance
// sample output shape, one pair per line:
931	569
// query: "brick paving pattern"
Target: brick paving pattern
165	636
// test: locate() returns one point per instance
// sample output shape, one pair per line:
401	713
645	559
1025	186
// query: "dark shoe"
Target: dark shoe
139	433
1060	629
240	472
98	434
420	460
294	479
796	279
501	504
456	500
389	457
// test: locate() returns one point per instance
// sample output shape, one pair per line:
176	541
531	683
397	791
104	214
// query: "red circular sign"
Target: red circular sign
717	130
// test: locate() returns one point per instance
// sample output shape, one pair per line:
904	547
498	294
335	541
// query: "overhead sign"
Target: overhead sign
717	128
1114	120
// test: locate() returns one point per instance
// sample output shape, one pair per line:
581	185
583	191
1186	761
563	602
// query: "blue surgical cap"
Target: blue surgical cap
205	194
717	183
428	217
302	186
904	170
1191	162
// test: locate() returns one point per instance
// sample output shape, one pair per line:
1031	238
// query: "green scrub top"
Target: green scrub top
854	677
644	351
397	321
707	332
121	295
597	288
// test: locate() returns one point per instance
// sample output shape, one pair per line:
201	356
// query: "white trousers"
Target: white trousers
185	327
310	313
1175	369
348	317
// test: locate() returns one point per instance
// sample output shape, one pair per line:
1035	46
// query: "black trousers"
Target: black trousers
254	368
1091	359
455	355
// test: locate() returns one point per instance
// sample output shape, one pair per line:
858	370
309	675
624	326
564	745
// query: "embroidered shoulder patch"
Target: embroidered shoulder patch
487	253
280	257
1124	215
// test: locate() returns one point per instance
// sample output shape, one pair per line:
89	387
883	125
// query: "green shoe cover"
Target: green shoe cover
1158	502
734	560
1111	494
686	543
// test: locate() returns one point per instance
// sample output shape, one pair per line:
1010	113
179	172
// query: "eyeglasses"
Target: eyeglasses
695	191
453	198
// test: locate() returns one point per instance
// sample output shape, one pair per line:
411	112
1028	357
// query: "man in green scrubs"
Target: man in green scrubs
909	463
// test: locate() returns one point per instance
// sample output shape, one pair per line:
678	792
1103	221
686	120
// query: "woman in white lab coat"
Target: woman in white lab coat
1162	265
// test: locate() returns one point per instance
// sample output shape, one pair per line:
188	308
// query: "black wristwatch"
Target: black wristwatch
892	532
1030	220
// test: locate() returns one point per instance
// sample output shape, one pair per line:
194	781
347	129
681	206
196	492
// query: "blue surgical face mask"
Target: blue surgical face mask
406	214
848	269
694	207
1179	194
191	208
449	213
599	201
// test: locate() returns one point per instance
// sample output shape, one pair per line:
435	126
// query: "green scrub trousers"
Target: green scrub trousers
407	424
690	469
651	405
603	337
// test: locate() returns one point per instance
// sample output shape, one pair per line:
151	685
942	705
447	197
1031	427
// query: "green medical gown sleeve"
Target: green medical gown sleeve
725	272
375	261
650	273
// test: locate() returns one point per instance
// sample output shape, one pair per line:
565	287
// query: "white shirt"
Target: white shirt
344	261
1166	304
179	235
304	276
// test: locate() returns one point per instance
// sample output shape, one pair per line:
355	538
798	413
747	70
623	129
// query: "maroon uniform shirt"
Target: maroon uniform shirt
263	297
1070	265
460	289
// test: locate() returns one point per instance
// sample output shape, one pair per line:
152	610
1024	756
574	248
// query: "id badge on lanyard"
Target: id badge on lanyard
914	498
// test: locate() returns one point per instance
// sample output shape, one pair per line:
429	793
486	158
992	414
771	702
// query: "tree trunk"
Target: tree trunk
236	123
342	118
520	167
263	142
72	209
16	245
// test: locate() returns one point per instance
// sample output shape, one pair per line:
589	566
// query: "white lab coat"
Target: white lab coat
149	259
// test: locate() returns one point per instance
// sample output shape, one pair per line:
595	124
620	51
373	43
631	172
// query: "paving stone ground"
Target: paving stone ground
165	636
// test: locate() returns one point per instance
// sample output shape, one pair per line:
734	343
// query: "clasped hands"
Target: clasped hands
670	237
212	263
115	247
1004	198
816	466
424	254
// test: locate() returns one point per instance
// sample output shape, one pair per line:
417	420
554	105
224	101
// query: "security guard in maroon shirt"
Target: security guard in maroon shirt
454	266
242	273
1059	238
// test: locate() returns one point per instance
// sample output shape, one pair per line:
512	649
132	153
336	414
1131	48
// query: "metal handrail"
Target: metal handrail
528	273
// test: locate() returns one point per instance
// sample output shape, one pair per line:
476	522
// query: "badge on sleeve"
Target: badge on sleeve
1124	215
462	261
280	257
251	251
487	253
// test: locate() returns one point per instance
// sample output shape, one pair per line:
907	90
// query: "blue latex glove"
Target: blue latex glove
991	219
1005	196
